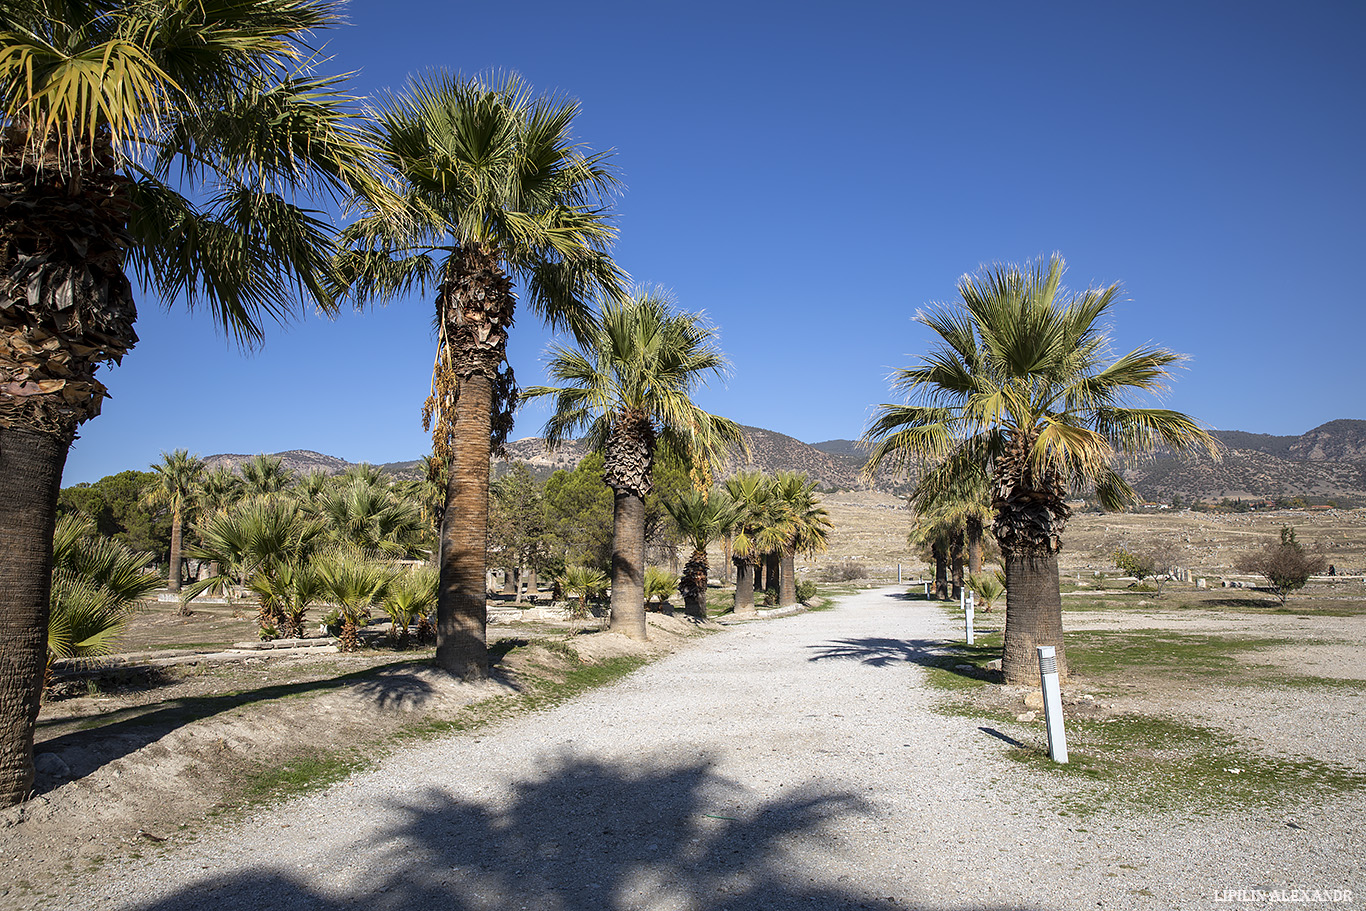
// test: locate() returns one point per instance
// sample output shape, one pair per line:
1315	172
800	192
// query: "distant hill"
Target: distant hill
1326	463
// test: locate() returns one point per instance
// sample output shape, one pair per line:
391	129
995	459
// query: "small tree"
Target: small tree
988	587
660	584
1286	565
1139	564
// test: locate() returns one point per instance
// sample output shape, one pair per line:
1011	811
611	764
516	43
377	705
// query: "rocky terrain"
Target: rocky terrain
1325	464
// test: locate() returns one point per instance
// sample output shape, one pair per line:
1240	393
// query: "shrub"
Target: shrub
659	584
806	591
1286	565
989	587
844	571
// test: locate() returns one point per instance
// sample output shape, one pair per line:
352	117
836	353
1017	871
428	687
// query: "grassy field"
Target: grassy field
1195	702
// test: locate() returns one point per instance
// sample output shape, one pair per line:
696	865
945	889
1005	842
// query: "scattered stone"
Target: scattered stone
1033	699
994	664
965	667
1026	717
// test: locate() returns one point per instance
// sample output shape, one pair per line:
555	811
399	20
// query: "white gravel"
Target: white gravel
795	763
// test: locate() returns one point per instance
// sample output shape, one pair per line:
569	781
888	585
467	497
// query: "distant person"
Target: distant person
1332	570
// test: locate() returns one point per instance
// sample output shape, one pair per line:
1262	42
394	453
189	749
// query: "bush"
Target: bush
659	584
845	571
1286	565
806	591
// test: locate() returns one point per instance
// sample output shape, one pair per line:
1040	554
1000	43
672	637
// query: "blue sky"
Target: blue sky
811	175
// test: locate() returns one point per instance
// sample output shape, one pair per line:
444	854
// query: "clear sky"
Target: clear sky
811	174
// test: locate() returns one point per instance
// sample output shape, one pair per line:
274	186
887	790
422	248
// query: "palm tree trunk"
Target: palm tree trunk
31	465
628	564
956	562
941	574
744	587
173	574
1033	616
787	580
693	585
975	531
462	608
771	571
726	557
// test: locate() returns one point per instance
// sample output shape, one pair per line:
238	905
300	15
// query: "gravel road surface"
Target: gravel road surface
793	763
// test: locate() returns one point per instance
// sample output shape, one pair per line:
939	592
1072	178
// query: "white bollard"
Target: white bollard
967	616
1052	703
898	574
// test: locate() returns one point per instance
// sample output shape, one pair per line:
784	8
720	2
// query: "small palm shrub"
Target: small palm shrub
989	587
580	584
96	583
660	584
355	585
411	597
806	591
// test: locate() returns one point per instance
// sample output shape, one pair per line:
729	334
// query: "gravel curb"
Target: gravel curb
791	764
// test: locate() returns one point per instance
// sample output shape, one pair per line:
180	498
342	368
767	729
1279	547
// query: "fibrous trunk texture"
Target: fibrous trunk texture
173	573
462	608
1031	514
941	573
744	586
628	565
66	307
628	468
1033	617
787	580
30	477
956	562
472	400
692	585
975	530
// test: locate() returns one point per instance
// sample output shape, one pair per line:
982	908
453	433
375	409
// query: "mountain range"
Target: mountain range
1323	464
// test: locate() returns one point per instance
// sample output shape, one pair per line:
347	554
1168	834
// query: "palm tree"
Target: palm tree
262	544
411	597
805	525
104	106
265	475
701	518
935	535
754	533
355	585
96	583
178	476
371	519
629	386
493	188
1023	380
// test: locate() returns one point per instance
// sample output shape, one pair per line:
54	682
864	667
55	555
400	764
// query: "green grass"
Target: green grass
298	775
1163	764
1111	655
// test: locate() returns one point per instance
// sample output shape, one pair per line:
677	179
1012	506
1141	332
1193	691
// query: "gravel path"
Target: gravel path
795	763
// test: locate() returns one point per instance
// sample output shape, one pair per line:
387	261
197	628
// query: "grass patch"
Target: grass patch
1119	655
298	775
1164	764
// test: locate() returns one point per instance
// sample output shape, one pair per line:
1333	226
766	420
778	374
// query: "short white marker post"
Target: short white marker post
969	604
1052	703
898	574
927	588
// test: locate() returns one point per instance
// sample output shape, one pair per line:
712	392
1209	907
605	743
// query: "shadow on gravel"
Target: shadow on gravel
875	651
586	836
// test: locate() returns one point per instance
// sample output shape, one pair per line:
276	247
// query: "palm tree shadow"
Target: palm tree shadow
876	651
584	835
125	731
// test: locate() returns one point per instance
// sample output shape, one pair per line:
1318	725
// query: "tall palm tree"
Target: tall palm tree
701	517
493	188
178	477
630	387
1023	380
110	111
805	525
